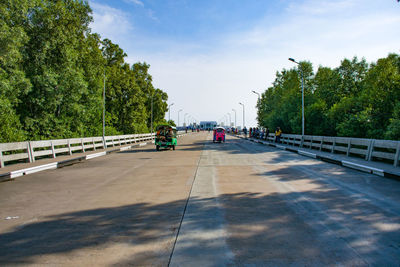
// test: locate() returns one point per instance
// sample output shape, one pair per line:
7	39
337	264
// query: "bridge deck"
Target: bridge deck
205	204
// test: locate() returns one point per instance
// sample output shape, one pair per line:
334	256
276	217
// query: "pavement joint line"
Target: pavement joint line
184	210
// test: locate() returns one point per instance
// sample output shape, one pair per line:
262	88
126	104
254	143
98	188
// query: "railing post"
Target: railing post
104	142
333	145
370	150
322	142
69	147
83	145
302	141
94	145
396	157
348	147
53	150
1	159
30	152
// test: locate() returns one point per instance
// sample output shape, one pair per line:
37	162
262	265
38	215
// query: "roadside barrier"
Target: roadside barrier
31	151
368	149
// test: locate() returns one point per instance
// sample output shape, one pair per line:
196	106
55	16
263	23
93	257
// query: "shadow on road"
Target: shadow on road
263	229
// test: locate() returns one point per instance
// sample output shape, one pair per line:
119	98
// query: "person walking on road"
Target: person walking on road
278	134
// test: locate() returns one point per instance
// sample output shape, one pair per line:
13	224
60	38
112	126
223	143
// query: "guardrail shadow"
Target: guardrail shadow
263	229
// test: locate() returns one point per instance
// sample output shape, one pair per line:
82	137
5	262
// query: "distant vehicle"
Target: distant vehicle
166	137
219	135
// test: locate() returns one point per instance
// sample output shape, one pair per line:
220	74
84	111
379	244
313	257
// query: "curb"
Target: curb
5	177
344	163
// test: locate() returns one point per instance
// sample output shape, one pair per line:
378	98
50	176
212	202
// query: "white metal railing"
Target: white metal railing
368	149
30	151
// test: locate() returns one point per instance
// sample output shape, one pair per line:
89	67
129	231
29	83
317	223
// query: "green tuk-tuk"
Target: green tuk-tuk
166	137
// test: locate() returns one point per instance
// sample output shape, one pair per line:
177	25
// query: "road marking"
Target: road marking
201	238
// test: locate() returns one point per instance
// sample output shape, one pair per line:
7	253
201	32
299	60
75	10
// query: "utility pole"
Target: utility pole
104	109
234	110
244	123
169	111
302	95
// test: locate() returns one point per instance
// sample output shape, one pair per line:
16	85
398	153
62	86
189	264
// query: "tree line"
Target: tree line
52	70
356	99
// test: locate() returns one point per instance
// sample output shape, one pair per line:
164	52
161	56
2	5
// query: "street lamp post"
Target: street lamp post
302	95
234	110
151	121
184	119
243	115
104	108
257	94
169	111
258	100
178	115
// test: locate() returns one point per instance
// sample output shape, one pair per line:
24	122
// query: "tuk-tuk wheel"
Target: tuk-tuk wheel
158	148
173	147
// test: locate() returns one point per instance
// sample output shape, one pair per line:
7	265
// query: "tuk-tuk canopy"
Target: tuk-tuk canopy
219	129
166	126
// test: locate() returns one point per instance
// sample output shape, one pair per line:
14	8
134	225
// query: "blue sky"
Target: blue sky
209	55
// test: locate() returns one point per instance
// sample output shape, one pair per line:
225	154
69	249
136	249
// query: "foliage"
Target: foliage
52	72
355	99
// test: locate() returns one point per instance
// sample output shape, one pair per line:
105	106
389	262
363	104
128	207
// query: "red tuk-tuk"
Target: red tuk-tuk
219	135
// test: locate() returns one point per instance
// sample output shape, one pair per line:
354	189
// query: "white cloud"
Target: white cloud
110	22
208	79
136	2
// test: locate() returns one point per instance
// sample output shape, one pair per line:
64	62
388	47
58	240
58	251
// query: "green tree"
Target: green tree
55	106
13	81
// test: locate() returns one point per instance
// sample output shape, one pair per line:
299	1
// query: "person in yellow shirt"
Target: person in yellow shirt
278	133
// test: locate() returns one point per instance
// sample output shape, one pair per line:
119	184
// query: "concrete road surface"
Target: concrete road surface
225	204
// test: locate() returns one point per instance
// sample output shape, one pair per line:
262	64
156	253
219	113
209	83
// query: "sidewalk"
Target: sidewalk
377	168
